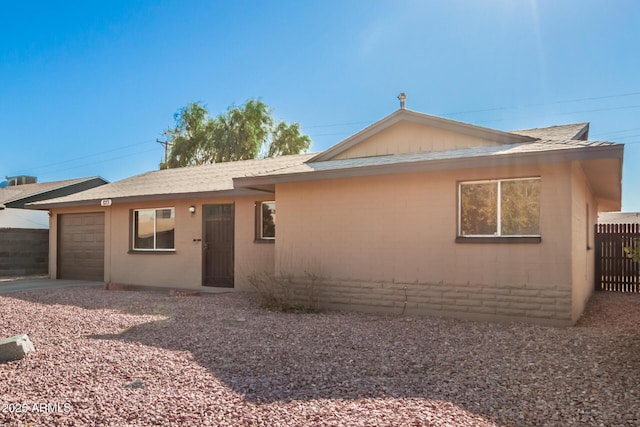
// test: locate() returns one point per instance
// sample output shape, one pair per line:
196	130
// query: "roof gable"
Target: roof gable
406	131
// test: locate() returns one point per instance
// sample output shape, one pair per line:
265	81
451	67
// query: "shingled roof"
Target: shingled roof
180	182
562	132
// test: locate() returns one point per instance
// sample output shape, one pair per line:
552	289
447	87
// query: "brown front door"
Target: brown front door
217	245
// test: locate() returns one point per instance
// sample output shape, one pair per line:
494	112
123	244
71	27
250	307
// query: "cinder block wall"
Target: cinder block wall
23	252
547	305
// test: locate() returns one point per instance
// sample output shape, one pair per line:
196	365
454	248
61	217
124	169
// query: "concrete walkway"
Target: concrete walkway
34	284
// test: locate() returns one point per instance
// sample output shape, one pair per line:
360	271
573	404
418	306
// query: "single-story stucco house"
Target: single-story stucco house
414	214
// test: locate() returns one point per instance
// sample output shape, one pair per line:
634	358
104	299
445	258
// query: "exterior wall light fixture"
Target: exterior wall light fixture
192	210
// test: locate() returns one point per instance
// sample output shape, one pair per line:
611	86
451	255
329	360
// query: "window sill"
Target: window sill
137	252
264	241
500	239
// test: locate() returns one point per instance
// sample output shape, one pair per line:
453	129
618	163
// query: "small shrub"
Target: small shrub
283	293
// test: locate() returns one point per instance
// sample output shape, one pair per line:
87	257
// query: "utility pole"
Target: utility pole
166	145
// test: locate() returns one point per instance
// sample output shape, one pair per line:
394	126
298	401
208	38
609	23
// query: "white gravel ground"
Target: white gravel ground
116	358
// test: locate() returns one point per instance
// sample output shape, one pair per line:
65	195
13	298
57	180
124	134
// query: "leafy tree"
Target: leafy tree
241	133
287	140
190	139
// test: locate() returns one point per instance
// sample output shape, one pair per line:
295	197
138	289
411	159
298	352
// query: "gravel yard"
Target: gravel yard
146	358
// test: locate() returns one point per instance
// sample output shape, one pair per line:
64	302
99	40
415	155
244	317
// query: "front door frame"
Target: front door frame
207	250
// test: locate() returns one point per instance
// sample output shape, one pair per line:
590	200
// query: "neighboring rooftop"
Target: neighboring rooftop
17	195
619	218
18	180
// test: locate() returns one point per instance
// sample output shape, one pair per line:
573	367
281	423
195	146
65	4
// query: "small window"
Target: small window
154	229
266	221
499	208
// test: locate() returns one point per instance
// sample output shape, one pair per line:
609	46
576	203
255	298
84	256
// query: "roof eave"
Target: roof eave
236	192
585	153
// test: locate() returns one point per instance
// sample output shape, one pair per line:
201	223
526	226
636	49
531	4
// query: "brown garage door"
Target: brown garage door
81	246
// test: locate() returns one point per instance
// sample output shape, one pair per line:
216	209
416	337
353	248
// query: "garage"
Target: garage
81	246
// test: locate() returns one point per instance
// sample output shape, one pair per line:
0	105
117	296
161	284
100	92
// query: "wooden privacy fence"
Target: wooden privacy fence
614	271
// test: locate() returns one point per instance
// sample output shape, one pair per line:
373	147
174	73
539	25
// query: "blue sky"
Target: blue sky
86	87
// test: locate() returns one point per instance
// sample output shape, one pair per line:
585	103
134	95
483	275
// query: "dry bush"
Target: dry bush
286	294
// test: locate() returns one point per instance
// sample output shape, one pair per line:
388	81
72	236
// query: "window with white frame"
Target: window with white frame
266	221
499	208
154	229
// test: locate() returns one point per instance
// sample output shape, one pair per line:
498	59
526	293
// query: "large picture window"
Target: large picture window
499	208
153	229
266	221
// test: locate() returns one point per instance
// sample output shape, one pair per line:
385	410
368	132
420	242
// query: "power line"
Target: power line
566	101
98	162
628	136
621	131
596	98
506	108
335	125
46	166
625	107
567	113
331	134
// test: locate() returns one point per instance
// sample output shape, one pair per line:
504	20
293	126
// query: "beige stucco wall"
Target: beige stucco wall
382	241
182	269
582	251
410	137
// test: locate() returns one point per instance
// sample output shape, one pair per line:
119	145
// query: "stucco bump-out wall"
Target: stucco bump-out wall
367	235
